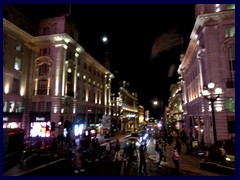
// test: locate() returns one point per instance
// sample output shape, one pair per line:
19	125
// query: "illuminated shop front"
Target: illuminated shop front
12	120
40	125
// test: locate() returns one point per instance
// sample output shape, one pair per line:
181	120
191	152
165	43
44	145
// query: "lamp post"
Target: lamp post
212	94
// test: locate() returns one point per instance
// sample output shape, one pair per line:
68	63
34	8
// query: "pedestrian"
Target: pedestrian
222	154
157	152
161	154
108	148
178	145
78	161
188	144
143	156
175	158
125	151
98	152
117	150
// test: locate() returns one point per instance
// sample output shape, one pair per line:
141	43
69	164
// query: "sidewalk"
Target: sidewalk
189	163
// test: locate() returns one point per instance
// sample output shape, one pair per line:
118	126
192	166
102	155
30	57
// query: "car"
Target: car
135	140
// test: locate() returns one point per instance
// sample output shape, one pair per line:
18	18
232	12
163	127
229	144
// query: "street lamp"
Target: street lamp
212	94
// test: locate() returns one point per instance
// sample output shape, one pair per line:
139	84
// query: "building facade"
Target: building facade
210	57
125	109
49	79
175	107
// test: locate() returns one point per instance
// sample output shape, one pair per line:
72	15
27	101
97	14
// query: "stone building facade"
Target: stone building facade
48	78
210	57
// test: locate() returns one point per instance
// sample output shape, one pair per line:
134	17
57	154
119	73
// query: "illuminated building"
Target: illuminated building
210	57
48	77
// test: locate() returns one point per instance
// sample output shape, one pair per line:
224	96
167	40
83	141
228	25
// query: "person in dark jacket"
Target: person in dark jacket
143	156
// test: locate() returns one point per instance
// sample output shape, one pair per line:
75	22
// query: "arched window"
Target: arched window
43	69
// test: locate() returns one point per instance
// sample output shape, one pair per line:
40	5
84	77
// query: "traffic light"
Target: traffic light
53	126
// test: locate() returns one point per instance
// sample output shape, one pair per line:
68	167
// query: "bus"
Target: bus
13	146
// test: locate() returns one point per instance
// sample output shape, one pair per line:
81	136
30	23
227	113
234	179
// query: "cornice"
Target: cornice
8	26
204	18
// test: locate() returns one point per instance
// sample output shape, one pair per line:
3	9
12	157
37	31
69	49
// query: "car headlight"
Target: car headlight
137	144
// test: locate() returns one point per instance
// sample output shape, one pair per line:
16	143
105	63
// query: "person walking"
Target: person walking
161	154
178	145
107	149
125	151
175	158
143	155
157	152
117	150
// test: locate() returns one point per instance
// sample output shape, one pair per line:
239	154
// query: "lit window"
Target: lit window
17	64
11	104
230	105
19	47
231	6
230	32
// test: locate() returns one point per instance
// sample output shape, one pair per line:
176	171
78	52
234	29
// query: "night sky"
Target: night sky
145	41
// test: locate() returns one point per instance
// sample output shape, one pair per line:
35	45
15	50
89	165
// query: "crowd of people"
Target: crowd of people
89	151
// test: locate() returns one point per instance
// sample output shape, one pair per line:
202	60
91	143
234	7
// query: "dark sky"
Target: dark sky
132	31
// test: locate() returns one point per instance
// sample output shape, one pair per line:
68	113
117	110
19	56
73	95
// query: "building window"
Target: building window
49	106
42	87
230	105
43	69
5	106
41	106
45	52
17	64
230	32
19	107
231	6
34	107
19	47
70	55
11	106
231	61
16	86
46	30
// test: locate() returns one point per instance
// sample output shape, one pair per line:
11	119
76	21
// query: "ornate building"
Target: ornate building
49	78
125	109
210	57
